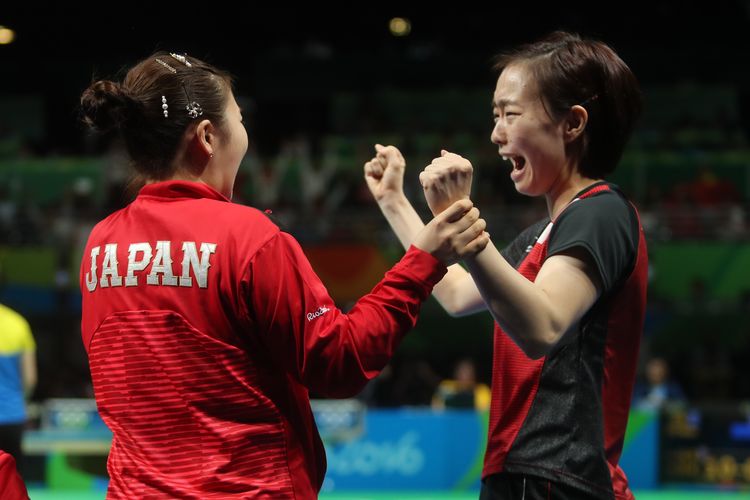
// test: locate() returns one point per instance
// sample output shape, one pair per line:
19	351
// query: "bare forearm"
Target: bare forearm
519	307
403	219
28	372
456	292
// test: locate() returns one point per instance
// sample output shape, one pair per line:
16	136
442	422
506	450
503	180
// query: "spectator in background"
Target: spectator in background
17	378
266	178
404	382
709	190
320	193
658	387
463	391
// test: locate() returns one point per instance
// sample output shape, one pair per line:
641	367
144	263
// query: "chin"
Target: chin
525	190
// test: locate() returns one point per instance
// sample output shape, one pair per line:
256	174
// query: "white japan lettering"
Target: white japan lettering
137	265
157	259
162	265
110	276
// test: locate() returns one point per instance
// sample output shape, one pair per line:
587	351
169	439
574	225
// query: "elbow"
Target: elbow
455	309
453	312
540	337
28	390
539	346
29	384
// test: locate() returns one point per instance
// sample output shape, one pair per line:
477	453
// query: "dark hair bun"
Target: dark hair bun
105	105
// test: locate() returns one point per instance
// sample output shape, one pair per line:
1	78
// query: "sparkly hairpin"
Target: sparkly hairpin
170	68
164	106
182	59
194	109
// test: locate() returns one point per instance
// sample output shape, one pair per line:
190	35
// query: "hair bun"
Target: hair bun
105	105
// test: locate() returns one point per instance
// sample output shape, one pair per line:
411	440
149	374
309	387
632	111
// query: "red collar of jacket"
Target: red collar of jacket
181	189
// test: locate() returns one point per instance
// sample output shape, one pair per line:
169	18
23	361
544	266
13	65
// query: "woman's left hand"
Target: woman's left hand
446	180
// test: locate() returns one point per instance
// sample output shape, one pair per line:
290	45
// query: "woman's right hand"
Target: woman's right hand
384	173
454	234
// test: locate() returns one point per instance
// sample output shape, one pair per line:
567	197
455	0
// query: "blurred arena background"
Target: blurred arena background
319	87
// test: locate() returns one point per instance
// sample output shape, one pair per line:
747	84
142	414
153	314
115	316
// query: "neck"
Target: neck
207	173
182	175
562	192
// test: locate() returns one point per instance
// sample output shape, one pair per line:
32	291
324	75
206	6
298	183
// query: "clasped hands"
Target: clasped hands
456	230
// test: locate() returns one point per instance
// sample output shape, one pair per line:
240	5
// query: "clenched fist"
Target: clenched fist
446	180
385	173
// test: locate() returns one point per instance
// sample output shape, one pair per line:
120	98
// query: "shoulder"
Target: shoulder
604	225
606	205
242	230
16	330
237	222
108	221
11	317
598	217
234	214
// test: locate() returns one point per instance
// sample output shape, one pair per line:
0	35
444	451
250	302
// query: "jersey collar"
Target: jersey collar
181	189
592	189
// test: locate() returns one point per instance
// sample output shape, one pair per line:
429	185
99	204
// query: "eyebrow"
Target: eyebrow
503	103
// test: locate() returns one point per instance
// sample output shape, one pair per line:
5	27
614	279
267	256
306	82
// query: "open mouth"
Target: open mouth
518	162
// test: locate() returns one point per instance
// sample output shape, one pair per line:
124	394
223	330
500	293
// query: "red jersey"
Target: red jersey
563	417
205	328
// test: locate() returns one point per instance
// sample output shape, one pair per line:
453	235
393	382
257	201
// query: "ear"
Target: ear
205	139
575	123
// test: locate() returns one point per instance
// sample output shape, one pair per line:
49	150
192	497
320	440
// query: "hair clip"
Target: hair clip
164	106
170	68
194	109
182	59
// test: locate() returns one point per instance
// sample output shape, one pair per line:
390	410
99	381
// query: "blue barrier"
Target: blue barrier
401	449
409	449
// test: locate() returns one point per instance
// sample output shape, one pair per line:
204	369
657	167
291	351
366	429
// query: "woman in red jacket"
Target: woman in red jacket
204	323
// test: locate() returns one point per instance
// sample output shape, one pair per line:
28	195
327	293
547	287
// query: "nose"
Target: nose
498	135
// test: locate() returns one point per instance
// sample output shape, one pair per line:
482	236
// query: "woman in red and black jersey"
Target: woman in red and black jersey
568	295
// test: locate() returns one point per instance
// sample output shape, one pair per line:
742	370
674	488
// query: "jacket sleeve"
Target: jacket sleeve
333	354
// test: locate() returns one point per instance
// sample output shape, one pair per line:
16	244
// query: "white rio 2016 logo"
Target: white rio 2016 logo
320	312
